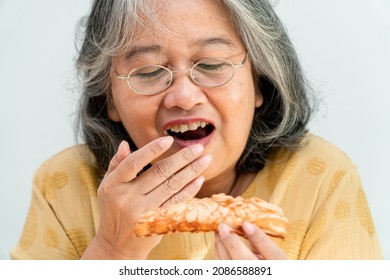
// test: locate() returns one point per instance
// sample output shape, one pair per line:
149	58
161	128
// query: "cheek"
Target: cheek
135	113
243	101
140	126
238	109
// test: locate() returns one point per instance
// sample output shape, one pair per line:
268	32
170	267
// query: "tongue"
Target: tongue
191	134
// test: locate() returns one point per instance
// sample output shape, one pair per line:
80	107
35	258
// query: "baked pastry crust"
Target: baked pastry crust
205	214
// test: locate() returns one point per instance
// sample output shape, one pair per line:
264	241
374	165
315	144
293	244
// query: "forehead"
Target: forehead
196	23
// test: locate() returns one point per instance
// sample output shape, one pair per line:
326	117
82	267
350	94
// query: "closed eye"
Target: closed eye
148	72
210	67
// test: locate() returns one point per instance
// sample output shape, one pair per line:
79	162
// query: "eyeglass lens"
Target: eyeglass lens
211	72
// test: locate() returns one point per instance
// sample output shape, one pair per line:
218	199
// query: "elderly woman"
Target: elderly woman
187	99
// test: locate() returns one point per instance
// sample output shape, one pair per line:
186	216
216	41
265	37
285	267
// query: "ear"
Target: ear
112	111
259	98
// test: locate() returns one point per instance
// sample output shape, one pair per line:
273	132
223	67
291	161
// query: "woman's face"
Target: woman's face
189	31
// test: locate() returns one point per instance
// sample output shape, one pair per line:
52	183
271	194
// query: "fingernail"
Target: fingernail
199	181
248	228
122	147
205	160
197	149
166	142
223	230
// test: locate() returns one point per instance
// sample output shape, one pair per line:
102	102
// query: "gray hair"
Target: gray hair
279	123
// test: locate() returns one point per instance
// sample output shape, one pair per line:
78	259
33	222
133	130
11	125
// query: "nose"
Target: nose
183	93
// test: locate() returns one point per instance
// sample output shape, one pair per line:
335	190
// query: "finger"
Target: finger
133	163
123	151
187	192
262	243
181	181
220	251
234	245
162	172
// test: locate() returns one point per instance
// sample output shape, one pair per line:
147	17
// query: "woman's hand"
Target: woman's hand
123	195
229	246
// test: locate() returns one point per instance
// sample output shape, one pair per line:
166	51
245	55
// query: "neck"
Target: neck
230	182
242	183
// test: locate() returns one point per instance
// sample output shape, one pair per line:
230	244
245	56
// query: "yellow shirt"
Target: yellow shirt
318	188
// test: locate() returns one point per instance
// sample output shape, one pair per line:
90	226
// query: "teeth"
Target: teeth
185	127
175	128
193	126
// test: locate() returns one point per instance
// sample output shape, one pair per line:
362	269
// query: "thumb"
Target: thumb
262	243
123	152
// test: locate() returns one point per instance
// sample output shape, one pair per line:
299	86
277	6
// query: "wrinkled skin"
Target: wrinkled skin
179	170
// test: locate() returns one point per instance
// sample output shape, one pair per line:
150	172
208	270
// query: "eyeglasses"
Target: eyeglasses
206	72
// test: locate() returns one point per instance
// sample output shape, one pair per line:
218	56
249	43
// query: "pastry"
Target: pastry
205	214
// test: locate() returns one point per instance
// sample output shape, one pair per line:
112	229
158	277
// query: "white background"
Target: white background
344	47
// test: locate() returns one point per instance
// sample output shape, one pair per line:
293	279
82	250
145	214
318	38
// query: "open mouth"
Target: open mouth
191	131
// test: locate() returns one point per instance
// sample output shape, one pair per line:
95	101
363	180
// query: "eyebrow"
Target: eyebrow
139	50
214	41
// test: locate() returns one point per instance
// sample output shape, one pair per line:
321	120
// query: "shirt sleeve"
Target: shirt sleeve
43	235
63	214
